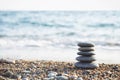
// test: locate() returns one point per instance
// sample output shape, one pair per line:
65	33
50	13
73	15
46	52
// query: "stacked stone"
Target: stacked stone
86	58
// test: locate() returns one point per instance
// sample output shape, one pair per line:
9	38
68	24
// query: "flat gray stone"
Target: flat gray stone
85	59
8	61
86	53
86	65
61	77
86	49
8	74
86	44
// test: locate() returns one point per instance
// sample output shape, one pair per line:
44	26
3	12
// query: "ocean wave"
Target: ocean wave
59	29
54	42
96	25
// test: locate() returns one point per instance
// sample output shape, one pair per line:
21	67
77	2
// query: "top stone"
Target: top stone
85	44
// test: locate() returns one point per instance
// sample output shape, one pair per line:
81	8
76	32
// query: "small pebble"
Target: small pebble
52	74
46	70
62	78
79	78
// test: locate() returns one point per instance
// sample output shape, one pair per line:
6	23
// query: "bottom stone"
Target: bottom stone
86	65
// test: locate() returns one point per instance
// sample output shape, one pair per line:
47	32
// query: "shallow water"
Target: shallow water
59	28
36	31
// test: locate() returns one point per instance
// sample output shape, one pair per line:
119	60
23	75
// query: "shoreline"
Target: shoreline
68	55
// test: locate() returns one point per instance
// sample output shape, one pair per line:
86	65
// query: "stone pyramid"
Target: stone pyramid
86	58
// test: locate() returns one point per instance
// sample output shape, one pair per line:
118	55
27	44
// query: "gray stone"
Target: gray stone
52	74
61	77
79	78
86	49
115	67
26	71
46	79
25	79
85	44
8	74
8	61
59	74
14	76
86	65
49	78
86	72
85	58
86	53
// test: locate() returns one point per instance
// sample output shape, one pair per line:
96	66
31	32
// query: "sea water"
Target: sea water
56	33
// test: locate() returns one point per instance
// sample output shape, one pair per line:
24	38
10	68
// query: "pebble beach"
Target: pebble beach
29	40
55	70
